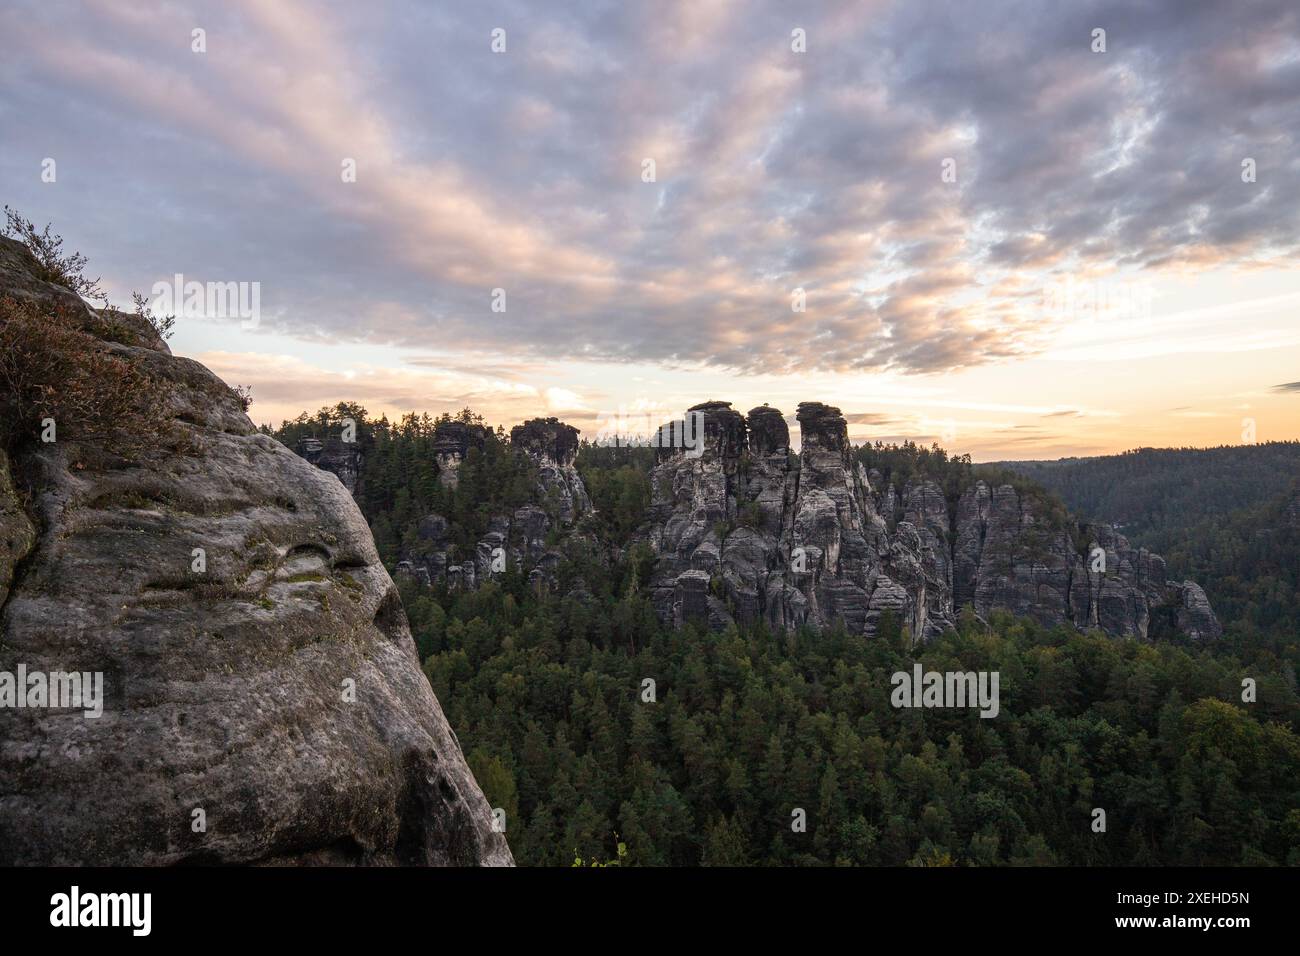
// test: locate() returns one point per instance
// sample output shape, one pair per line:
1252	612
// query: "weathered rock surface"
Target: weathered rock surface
452	442
17	533
553	446
744	531
342	458
227	689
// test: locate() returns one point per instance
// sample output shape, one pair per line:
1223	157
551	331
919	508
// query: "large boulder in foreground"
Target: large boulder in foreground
277	690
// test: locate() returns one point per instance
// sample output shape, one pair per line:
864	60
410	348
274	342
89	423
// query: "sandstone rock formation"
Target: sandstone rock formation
744	531
277	690
520	539
342	458
451	443
553	446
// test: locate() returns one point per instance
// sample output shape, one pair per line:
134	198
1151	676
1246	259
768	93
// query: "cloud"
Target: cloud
562	401
775	171
1288	387
284	385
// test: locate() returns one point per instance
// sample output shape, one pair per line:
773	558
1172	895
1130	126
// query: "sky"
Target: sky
986	225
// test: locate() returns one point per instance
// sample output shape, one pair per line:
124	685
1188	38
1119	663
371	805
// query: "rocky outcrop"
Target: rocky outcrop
452	441
745	531
1037	571
521	540
1195	617
341	458
515	540
262	698
553	446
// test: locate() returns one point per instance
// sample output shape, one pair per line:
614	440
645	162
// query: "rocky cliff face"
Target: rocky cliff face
521	539
343	459
745	531
452	441
270	692
553	446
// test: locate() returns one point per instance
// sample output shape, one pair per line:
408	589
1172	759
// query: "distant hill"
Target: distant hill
1154	494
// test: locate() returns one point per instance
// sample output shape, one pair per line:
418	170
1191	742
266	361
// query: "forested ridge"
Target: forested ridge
1225	517
399	482
1153	493
547	695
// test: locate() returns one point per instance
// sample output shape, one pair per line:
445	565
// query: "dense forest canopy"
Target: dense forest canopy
747	726
750	725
